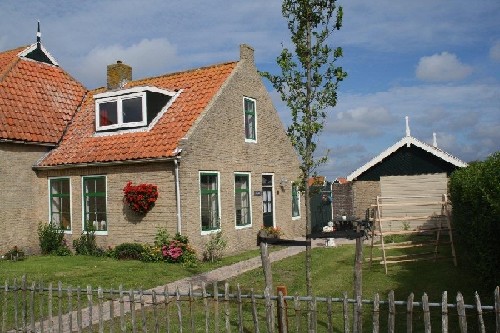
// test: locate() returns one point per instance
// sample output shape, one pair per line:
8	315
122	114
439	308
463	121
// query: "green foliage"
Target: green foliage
14	254
151	253
86	243
475	195
162	237
52	239
309	79
308	83
215	247
128	251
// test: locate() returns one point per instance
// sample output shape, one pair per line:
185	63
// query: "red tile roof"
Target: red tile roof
37	100
80	144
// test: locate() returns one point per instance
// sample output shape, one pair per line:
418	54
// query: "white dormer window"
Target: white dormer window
129	108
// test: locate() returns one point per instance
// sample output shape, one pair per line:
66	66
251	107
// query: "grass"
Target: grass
332	275
105	272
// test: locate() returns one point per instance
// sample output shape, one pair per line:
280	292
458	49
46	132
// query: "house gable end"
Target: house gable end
407	161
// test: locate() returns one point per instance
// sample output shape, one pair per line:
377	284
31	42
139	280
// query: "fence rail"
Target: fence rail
37	308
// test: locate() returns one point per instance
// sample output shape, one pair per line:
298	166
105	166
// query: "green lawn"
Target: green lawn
332	275
105	272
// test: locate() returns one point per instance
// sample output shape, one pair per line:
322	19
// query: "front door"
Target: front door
267	200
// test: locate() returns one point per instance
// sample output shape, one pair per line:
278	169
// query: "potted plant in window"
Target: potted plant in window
140	198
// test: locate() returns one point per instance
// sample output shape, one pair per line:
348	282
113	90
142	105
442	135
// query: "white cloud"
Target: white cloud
442	67
148	57
495	51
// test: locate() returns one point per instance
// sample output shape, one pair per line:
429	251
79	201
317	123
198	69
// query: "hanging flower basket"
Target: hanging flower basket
140	198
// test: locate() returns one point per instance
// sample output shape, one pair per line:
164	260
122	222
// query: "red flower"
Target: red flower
140	198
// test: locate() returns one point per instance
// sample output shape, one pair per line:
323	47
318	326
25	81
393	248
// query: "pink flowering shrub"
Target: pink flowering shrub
178	251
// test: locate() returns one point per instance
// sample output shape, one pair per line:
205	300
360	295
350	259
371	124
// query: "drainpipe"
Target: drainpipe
178	196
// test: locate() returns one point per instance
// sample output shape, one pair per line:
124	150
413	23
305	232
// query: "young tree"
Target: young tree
308	84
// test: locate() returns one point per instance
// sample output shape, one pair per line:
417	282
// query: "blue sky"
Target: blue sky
436	61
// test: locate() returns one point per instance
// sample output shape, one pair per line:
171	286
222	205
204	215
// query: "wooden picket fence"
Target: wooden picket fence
36	308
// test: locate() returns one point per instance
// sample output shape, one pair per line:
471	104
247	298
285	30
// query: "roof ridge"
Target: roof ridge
190	70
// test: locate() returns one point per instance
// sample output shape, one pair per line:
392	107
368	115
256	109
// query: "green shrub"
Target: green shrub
128	251
215	247
86	243
51	238
178	250
151	254
14	254
475	195
162	237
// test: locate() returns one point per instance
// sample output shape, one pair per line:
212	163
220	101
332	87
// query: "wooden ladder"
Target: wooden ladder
379	226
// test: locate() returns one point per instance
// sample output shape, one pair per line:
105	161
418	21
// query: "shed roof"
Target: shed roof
407	141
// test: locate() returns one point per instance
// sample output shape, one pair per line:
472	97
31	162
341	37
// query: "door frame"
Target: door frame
273	197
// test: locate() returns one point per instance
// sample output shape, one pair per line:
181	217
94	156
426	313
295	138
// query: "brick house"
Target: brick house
37	100
209	138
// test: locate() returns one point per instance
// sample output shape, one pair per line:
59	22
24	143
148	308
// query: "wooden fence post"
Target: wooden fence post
409	313
444	312
480	320
266	265
427	313
392	313
376	313
462	320
281	291
497	308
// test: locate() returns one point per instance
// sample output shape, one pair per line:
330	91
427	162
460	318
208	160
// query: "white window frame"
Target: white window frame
298	202
212	231
119	110
255	119
97	232
70	231
249	200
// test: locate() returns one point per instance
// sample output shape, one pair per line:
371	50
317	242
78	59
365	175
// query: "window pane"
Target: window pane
108	114
209	202
60	203
295	202
94	200
242	200
249	119
132	110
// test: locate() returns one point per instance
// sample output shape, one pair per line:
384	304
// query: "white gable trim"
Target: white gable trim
407	140
32	47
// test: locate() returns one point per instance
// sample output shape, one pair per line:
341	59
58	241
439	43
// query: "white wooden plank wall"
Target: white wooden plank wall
402	191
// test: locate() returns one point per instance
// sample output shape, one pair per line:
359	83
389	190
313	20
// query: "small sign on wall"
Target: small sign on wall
257	193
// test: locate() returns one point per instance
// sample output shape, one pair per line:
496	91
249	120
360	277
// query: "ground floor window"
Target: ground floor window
94	203
60	203
209	201
295	201
242	199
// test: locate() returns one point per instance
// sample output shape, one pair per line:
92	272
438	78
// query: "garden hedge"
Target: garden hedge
475	196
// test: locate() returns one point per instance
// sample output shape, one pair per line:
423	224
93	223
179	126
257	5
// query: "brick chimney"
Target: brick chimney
246	53
118	75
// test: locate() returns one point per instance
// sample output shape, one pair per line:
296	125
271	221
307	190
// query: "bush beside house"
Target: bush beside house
475	194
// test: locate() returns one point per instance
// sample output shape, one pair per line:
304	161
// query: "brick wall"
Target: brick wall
18	219
365	194
217	143
124	225
343	199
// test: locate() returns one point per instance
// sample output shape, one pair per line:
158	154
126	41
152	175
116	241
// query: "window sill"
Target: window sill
243	226
210	231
